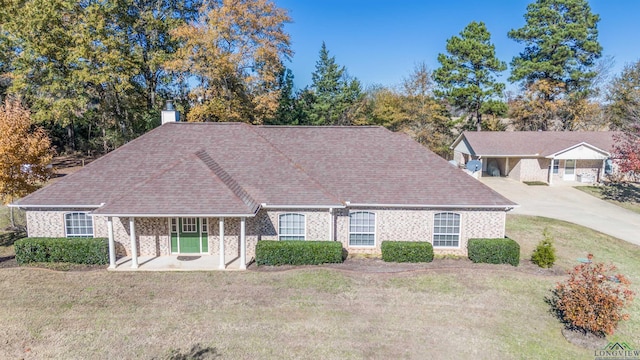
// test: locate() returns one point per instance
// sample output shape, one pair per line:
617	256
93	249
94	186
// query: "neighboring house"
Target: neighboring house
546	156
183	187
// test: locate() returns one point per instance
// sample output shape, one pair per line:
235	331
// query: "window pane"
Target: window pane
291	227
362	227
446	229
78	224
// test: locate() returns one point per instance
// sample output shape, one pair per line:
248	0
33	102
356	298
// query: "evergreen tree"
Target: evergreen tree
561	45
334	93
466	76
289	110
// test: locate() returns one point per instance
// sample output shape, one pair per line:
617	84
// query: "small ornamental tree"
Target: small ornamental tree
25	152
626	151
592	298
544	254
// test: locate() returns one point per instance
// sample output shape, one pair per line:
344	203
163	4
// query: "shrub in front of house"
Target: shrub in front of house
494	251
298	252
62	250
406	251
544	254
592	298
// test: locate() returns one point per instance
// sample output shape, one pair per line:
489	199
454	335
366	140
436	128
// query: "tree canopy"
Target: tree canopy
467	75
25	153
334	92
561	45
235	52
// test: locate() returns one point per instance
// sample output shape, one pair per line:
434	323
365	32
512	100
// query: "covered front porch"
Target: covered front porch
176	263
171	259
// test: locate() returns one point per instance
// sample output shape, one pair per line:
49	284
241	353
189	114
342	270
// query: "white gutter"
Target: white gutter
436	206
175	215
265	206
509	155
55	206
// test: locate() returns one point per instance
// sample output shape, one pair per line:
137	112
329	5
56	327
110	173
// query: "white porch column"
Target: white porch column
506	170
243	245
112	244
134	250
221	228
551	171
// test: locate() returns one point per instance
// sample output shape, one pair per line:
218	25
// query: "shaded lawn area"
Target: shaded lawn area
469	311
626	195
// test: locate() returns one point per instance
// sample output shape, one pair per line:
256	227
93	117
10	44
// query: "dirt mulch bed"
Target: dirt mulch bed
584	339
7	262
359	265
375	265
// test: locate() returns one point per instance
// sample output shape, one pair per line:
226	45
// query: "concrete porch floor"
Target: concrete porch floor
172	263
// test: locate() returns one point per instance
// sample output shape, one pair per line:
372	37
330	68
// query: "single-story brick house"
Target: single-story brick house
182	187
545	156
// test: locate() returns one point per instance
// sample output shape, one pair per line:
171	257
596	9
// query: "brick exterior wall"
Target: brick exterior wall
534	169
46	223
152	234
592	168
417	225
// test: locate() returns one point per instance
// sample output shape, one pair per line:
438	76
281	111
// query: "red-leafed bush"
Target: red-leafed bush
626	152
592	298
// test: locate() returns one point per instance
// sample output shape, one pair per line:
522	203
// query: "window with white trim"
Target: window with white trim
205	227
362	228
189	225
446	230
556	165
174	225
291	227
78	224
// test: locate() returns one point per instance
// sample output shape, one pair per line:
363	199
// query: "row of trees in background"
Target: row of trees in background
95	74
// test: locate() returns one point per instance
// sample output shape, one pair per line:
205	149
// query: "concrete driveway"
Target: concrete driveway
564	202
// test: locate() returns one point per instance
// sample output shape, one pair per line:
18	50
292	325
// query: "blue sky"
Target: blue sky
381	41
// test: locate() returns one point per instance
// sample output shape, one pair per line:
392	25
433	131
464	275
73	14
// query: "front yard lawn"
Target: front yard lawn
626	195
467	311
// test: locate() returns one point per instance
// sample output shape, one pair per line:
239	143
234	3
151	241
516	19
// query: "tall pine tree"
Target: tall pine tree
561	46
467	75
335	94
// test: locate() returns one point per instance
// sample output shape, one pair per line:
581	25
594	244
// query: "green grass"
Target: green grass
574	241
457	310
5	217
626	195
536	183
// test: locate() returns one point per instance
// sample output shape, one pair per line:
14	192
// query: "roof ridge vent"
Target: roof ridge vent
229	181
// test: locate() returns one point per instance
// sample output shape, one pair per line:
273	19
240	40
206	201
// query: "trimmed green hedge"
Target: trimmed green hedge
494	251
406	251
298	252
63	250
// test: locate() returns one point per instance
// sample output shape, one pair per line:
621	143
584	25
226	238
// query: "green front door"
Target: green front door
186	235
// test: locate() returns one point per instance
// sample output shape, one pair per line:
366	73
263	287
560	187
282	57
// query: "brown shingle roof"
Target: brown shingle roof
533	143
231	168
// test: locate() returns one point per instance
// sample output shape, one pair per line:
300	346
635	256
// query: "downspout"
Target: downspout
553	160
331	220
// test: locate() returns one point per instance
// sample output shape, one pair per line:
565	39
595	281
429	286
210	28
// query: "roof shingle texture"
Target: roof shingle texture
231	168
534	143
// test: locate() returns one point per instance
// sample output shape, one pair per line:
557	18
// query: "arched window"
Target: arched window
362	228
78	224
446	230
291	227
